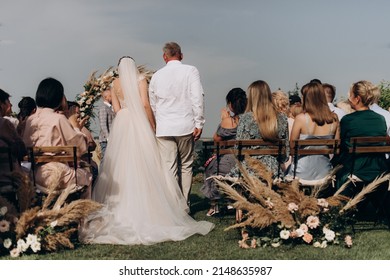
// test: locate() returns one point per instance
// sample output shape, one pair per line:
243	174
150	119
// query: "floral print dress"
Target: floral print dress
248	129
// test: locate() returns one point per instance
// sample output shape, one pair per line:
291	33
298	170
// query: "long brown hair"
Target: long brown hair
316	105
264	111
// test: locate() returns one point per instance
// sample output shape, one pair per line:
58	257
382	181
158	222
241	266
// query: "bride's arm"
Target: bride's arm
143	89
114	96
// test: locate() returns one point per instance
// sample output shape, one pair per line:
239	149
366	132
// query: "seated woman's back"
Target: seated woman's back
362	122
306	126
317	121
262	121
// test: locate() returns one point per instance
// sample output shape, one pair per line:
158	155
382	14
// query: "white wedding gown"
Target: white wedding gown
142	201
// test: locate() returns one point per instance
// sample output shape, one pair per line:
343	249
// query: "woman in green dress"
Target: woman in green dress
362	122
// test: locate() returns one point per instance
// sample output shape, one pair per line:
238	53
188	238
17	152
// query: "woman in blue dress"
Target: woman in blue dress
315	122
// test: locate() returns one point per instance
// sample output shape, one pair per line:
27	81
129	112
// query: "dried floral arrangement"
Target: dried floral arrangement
277	212
49	227
95	86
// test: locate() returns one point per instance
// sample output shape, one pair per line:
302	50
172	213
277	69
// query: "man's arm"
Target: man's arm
197	99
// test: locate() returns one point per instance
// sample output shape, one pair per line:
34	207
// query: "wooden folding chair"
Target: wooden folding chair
368	145
46	154
308	147
7	187
372	145
252	147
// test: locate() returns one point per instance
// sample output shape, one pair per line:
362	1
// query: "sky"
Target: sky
232	43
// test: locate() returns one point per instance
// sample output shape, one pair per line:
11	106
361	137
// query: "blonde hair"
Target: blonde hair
366	90
260	103
281	101
345	106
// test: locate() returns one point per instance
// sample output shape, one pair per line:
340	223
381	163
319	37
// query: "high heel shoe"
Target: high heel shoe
213	211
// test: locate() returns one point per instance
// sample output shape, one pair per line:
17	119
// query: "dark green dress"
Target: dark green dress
366	167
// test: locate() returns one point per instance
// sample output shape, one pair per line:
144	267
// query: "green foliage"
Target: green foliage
295	91
384	100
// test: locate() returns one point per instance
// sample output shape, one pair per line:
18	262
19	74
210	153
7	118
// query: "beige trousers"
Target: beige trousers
47	174
177	153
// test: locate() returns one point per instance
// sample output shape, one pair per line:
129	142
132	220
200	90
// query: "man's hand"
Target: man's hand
77	122
197	133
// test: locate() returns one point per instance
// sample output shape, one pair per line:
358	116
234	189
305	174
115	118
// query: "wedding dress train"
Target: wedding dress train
142	202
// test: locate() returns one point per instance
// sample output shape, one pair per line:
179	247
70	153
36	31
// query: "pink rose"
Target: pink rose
307	237
304	227
312	222
348	241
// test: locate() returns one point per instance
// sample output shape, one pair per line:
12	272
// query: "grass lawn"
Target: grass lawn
369	243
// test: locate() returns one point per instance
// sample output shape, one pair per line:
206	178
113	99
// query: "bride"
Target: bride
142	202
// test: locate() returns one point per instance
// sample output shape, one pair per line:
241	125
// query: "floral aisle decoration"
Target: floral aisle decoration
278	212
95	86
93	89
50	226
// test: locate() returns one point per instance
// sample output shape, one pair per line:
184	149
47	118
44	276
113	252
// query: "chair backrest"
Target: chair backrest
6	157
208	148
368	145
306	147
252	147
45	154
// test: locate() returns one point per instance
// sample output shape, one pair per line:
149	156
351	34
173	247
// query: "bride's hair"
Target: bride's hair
126	56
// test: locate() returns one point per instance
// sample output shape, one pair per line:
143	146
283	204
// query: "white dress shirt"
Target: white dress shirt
177	99
339	112
386	114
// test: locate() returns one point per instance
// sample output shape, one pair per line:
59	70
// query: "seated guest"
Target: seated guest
362	122
49	128
261	120
377	109
27	107
236	103
281	101
315	122
295	108
330	93
7	111
9	138
345	106
74	112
